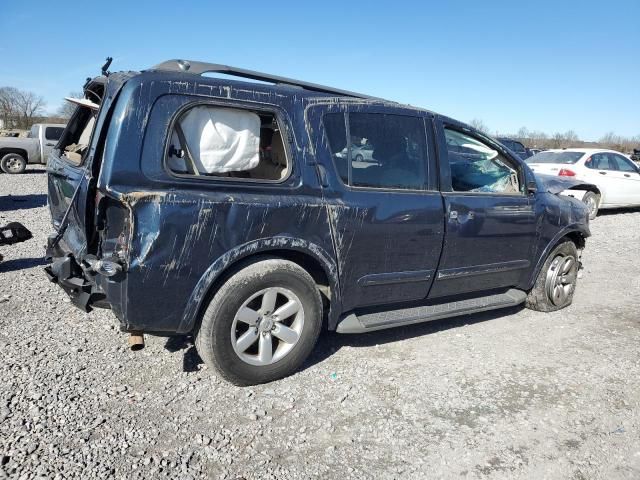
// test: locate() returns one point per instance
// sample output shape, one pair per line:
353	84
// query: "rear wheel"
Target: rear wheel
13	163
262	323
556	281
592	201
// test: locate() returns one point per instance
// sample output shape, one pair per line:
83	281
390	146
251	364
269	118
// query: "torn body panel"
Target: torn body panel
186	232
565	186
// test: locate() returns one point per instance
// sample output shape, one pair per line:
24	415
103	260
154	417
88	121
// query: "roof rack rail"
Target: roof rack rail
198	68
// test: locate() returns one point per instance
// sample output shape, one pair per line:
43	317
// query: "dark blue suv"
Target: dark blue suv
239	212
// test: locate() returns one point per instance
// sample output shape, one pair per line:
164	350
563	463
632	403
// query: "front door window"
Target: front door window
478	167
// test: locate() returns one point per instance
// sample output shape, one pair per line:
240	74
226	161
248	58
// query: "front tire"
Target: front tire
592	201
556	282
262	323
13	163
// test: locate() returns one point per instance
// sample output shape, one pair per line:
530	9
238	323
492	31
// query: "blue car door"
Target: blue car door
490	216
386	214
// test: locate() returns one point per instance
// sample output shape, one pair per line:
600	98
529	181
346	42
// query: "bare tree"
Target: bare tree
523	133
67	108
479	125
29	105
570	137
9	106
557	140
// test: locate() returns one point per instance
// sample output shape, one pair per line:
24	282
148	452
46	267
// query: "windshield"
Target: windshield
555	157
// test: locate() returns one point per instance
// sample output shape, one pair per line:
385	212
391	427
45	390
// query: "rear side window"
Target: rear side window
212	141
478	167
378	150
566	158
53	133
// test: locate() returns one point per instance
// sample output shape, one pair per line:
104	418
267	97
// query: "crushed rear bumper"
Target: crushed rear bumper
66	272
77	279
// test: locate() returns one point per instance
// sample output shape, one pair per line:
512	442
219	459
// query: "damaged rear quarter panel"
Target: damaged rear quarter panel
187	231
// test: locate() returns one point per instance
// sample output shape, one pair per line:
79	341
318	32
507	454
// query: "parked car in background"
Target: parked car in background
617	177
16	153
515	146
360	152
635	156
226	209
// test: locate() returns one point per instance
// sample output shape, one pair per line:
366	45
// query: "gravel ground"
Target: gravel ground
509	394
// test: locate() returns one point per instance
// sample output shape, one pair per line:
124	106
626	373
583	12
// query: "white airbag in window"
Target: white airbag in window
221	139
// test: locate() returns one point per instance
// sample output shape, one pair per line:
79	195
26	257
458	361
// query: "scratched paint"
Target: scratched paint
180	236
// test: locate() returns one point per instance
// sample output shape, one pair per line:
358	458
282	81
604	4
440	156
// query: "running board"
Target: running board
396	318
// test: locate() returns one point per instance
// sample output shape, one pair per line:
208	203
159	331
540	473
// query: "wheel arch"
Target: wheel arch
573	233
307	255
20	151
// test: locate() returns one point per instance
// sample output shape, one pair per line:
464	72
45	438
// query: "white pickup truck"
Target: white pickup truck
15	153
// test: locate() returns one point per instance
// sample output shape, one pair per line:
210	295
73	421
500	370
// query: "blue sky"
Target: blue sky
547	65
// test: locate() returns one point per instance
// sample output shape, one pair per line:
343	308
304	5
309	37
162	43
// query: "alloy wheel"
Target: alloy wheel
267	326
561	278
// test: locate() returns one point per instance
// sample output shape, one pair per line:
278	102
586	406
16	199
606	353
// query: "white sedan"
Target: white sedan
617	177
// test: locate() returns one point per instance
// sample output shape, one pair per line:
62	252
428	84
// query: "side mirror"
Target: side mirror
532	186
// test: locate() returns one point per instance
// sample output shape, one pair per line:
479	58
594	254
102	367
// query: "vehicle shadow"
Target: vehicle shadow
616	211
191	361
331	342
22	202
13	265
34	170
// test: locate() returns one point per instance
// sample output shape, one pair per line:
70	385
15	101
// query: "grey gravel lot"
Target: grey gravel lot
510	394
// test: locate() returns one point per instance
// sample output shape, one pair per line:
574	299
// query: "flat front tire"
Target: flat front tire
262	323
556	282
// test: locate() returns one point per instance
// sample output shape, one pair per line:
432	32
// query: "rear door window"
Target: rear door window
376	150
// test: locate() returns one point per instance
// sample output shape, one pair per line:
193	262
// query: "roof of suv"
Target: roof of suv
199	68
287	86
